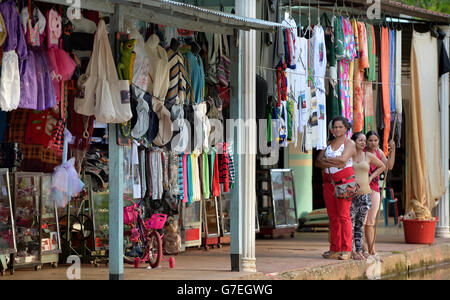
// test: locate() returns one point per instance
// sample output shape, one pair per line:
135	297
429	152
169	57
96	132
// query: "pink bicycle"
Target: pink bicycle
145	237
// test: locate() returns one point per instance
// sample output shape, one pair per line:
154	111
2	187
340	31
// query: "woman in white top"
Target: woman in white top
336	160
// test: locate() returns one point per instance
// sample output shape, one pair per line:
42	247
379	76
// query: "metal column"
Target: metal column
248	156
236	209
443	208
115	180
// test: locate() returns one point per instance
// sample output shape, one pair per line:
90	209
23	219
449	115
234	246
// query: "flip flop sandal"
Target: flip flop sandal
376	256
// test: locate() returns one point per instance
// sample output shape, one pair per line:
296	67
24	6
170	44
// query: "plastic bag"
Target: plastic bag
65	183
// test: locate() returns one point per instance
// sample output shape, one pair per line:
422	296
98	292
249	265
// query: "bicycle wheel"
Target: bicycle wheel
155	249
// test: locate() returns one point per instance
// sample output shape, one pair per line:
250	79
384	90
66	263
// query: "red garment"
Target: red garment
338	211
281	85
216	180
385	86
38	132
224	171
358	100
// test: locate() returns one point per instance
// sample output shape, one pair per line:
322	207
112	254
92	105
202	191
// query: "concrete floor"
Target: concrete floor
273	256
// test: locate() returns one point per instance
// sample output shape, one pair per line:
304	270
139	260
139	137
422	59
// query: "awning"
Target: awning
360	7
175	14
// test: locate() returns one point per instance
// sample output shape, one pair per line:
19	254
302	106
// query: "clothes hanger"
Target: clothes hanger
318	13
309	28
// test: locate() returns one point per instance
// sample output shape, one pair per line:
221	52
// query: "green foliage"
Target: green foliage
435	5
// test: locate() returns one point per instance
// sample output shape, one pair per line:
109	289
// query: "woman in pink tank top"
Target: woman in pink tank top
373	147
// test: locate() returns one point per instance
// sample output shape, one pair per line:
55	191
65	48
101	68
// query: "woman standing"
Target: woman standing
337	164
361	202
373	147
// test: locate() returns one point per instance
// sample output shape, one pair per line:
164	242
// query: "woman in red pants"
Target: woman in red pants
336	160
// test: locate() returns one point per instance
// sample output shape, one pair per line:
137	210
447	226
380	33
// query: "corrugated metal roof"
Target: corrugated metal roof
207	15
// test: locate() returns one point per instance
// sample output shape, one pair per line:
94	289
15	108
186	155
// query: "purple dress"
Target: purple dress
15	41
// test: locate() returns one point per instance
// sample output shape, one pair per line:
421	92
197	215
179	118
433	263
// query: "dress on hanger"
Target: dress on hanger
14	54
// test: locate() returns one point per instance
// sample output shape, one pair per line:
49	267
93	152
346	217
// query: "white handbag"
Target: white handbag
101	92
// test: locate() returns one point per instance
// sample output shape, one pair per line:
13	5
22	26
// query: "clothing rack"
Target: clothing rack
328	77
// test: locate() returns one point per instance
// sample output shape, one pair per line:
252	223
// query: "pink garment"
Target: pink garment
185	187
62	67
54	28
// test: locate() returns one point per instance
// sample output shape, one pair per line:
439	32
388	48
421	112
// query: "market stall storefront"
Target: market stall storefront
103	129
368	82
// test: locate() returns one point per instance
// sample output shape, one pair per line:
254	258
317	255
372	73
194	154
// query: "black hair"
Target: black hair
356	134
342	119
370	133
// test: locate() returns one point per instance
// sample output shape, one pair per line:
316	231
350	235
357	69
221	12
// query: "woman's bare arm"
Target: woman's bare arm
349	151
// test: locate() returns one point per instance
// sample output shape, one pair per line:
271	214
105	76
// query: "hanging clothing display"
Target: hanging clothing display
319	64
158	70
141	61
425	181
369	75
14	53
385	86
194	67
398	85
176	93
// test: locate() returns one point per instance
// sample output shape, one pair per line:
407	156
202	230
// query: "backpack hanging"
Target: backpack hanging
101	91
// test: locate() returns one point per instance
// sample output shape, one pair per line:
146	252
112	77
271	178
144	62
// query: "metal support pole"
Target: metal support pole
115	181
443	208
248	131
236	194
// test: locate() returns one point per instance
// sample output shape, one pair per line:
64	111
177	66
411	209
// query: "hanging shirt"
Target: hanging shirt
194	67
189	176
385	75
141	62
135	173
319	66
197	196
176	93
180	177
205	175
302	69
15	39
392	72
158	68
398	85
371	48
185	179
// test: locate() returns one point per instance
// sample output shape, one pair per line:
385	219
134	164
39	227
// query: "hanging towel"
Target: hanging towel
205	177
180	178
190	187
384	46
197	194
215	177
398	85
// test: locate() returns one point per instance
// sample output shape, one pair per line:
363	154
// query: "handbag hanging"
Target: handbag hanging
345	189
101	92
223	69
211	70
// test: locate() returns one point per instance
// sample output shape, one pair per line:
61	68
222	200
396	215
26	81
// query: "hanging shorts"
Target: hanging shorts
10	82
